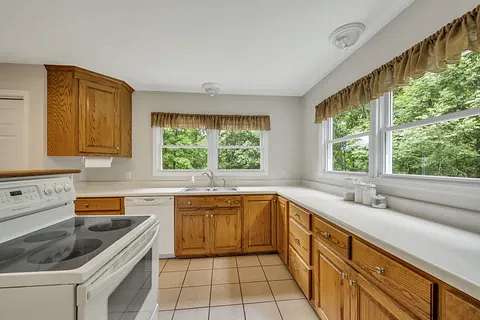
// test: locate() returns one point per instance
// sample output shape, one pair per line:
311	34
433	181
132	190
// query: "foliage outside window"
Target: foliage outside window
434	128
239	150
430	127
224	151
348	140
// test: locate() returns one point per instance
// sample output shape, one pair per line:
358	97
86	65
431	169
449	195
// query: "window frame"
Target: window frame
329	141
212	157
385	158
380	143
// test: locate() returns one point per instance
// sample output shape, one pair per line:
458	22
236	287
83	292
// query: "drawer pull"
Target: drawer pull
297	241
297	215
189	203
325	234
379	270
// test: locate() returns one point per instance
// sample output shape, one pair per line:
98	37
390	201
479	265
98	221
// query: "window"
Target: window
222	151
430	127
184	149
433	123
239	150
348	141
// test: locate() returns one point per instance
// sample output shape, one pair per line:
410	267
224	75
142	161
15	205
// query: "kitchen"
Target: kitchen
142	181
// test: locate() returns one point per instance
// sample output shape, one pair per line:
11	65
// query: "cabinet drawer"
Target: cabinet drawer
208	202
299	239
300	271
402	283
300	215
100	205
332	237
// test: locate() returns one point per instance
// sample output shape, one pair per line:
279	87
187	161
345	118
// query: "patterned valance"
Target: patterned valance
210	121
431	55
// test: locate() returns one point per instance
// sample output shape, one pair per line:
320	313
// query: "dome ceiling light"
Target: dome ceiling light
347	35
211	88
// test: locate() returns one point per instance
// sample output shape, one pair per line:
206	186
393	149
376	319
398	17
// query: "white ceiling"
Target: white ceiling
269	47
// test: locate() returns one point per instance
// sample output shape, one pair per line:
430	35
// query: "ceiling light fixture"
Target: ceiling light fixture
211	88
347	35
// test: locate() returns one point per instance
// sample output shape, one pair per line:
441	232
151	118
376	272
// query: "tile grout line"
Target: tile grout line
211	289
274	298
241	291
181	289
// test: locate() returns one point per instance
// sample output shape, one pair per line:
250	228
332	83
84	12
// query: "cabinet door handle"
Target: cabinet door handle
353	283
379	270
344	275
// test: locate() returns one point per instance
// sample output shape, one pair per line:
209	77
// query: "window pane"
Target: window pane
239	138
351	155
352	122
183	158
457	88
184	137
443	149
239	158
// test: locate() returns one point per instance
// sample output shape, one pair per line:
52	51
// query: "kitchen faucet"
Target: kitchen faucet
211	177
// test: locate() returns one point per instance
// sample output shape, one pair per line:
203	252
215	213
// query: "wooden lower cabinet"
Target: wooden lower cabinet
282	229
331	291
204	232
455	307
370	303
226	231
341	293
192	232
99	206
259	224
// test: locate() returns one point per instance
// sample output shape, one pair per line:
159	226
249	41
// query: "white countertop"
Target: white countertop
450	254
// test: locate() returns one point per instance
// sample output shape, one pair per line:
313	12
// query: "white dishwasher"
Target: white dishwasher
163	209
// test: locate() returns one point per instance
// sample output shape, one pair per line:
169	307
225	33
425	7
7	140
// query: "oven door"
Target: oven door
126	288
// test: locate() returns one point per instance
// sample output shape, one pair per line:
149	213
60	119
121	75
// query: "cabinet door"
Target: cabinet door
192	232
226	231
455	307
368	302
282	229
99	118
330	285
259	233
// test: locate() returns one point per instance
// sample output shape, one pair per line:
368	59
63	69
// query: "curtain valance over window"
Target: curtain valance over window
210	121
431	55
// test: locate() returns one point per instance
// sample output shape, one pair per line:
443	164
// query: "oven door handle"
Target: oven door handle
118	269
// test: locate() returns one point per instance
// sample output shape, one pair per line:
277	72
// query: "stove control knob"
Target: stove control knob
58	188
67	187
48	190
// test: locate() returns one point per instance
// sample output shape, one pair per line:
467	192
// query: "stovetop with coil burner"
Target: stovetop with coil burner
66	245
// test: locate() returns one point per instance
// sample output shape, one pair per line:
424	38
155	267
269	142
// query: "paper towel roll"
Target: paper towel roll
97	162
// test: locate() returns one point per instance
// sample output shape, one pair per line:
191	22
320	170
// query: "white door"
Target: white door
12	134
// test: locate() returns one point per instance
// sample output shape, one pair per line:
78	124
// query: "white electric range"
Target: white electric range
55	266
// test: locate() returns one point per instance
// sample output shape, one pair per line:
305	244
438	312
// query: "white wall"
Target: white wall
33	80
285	148
421	19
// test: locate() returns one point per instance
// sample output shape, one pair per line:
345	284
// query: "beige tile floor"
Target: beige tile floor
254	287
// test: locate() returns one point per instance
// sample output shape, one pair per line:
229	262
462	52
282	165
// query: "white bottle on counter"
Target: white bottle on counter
358	191
369	193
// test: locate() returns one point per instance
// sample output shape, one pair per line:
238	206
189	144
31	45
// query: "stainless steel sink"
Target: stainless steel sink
210	189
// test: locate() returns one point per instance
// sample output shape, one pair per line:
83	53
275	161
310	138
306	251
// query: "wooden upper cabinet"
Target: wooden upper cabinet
99	118
259	226
87	113
282	229
455	307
